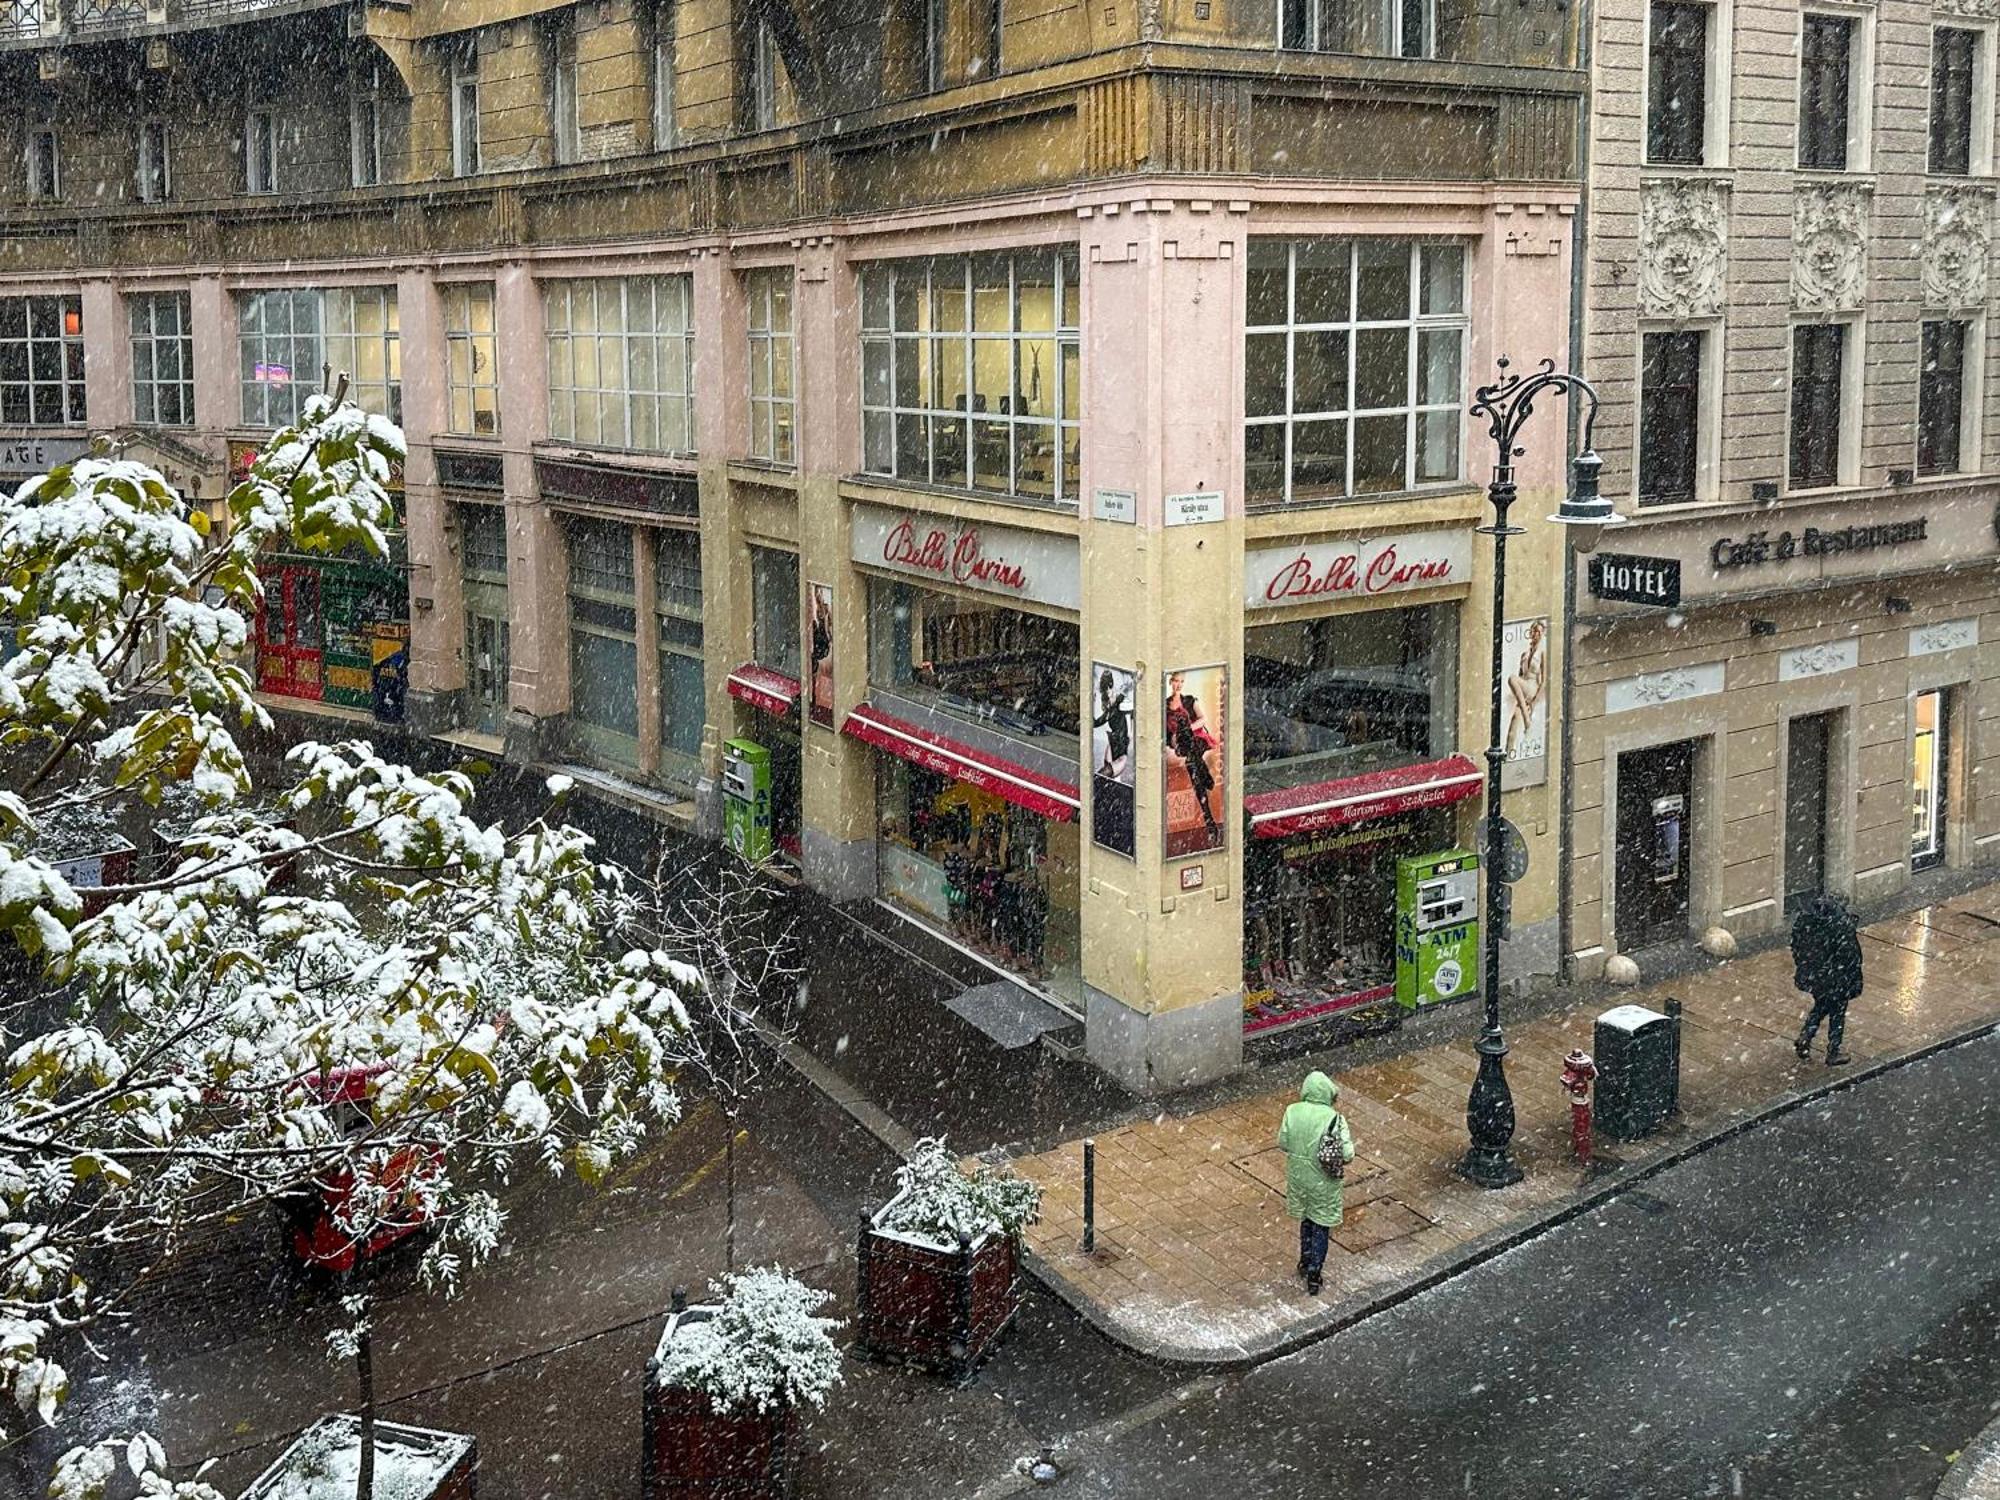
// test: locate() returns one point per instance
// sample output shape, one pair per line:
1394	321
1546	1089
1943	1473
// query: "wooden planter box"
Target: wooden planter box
693	1452
449	1459
923	1304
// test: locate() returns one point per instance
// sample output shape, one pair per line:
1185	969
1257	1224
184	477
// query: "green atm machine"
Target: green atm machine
746	798
1437	927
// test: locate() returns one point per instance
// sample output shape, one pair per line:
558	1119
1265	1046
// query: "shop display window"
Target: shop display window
1343	695
603	638
774	607
998	879
1005	668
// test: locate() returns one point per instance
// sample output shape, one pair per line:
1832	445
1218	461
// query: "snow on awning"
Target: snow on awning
763	688
1362	799
934	752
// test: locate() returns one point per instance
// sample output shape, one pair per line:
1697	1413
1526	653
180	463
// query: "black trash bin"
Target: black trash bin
1638	1071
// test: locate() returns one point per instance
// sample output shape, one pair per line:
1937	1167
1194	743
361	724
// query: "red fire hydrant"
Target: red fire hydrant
1579	1073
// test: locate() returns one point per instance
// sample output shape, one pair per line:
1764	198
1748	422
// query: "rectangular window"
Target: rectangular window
603	637
260	152
666	130
1669	417
774	608
971	373
1677	83
1954	63
162	358
1826	54
936	32
769	293
44	165
677	604
764	78
364	130
621	362
41	361
995	28
156	182
1818	381
563	117
285	339
465	114
1941	398
483	529
1354	368
473	386
1395	28
1927	779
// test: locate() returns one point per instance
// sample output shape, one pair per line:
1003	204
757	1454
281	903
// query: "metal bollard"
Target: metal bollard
1089	1196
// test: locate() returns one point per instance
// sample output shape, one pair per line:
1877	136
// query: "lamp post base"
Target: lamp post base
1489	1119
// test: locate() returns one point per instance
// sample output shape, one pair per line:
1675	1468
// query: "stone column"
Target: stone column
1162	311
218	400
107	357
722	425
537	560
437	667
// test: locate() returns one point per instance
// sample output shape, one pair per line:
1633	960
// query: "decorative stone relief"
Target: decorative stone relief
1674	685
1979	9
1958	242
1829	247
1952	635
1822	659
1683	232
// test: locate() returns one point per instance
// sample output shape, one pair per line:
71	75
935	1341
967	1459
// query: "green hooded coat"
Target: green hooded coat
1309	1192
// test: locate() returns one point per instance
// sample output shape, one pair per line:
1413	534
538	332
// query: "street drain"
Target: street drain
1648	1203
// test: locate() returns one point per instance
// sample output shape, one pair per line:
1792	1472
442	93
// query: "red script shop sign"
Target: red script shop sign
1355	568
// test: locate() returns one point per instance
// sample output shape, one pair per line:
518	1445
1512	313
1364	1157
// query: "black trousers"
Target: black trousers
1834	1013
1312	1245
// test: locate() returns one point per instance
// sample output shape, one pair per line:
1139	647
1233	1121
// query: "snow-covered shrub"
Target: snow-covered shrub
761	1347
937	1200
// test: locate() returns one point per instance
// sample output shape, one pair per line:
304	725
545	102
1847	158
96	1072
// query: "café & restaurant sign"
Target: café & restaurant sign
1355	568
1009	561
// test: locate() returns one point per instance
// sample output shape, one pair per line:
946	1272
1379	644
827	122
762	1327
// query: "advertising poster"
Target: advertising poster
819	653
1196	759
1113	774
1524	647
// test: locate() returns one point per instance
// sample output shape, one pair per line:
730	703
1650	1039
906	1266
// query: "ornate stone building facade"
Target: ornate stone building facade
1789	316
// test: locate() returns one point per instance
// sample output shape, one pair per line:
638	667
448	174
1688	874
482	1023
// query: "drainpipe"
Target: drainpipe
1579	271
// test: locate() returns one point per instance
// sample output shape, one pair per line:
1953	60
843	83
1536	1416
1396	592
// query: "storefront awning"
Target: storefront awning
762	688
934	752
1361	799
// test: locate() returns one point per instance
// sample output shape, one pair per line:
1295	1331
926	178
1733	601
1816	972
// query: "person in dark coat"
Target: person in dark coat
1826	964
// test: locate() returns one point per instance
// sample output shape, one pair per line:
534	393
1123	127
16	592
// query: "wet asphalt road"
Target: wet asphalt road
1806	1311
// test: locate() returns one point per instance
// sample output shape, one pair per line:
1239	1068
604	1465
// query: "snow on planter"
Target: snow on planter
84	846
411	1463
938	1265
727	1385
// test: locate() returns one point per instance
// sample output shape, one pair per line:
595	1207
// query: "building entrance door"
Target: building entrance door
487	644
292	632
1806	804
1654	825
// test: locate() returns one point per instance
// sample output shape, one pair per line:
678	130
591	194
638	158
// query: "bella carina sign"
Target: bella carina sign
1003	560
1355	569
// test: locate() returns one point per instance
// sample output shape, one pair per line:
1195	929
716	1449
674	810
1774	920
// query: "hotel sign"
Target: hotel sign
1006	560
1355	568
1636	580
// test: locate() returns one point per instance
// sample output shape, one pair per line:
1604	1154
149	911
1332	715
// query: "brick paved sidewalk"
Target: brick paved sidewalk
1195	1252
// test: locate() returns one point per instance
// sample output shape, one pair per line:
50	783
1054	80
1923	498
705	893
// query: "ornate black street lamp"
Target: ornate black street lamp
1506	405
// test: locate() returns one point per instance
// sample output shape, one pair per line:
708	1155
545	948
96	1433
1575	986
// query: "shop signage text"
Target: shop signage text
39	455
992	559
1628	579
1761	547
1331	571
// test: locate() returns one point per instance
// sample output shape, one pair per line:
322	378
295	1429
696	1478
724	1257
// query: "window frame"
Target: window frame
1699	419
937	32
1852	129
335	330
764	77
776	636
1302	27
677	634
364	130
1965	430
773	352
66	385
564	328
260	166
1712	126
459	306
1979	111
565	108
1846	438
610	613
465	141
1350	330
146	382
155	160
44	167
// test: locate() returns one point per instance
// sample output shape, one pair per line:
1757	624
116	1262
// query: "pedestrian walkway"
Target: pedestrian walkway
1195	1253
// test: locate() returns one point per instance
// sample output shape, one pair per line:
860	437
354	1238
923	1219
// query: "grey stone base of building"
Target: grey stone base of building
839	869
1158	1053
708	809
1530	958
532	741
431	714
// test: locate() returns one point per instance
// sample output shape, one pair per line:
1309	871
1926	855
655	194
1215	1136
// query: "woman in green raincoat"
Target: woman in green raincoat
1312	1197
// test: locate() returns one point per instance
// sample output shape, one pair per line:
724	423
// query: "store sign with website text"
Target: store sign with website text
1003	560
1361	568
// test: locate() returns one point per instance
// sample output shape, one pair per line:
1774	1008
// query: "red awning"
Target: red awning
1004	779
760	687
1362	799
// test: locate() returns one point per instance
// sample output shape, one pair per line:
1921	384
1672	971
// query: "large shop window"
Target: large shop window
603	638
41	361
1354	361
1343	695
774	603
286	339
970	373
471	344
621	362
162	358
997	878
677	602
1005	668
768	293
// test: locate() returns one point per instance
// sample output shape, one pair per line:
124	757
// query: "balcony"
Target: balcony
53	22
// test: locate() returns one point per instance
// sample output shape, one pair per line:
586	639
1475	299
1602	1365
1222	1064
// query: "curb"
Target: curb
1975	1473
1346	1314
